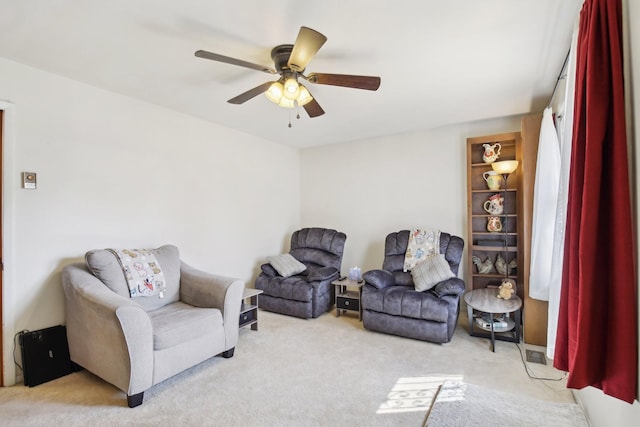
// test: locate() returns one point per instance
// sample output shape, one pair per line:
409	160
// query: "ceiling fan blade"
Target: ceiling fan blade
313	109
345	80
251	93
233	61
305	48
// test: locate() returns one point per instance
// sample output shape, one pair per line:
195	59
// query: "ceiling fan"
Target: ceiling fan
290	61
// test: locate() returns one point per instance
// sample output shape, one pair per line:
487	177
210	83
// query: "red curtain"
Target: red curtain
597	340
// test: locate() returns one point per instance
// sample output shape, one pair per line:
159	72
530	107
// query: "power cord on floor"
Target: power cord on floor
24	331
530	373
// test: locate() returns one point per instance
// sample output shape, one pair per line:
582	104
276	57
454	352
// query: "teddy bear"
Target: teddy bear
506	289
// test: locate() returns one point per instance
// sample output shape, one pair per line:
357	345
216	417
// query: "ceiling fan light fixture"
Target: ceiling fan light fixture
291	88
289	94
286	102
275	92
305	97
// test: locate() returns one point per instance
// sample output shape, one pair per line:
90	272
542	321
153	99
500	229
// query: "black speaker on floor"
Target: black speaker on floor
45	355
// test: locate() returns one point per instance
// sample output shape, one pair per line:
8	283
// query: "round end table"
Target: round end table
486	301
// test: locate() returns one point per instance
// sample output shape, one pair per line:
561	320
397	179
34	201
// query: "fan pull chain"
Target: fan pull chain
297	116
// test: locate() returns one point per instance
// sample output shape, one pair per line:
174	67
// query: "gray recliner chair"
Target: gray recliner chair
390	303
134	343
309	293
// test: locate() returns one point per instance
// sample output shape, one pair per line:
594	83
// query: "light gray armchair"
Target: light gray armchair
134	343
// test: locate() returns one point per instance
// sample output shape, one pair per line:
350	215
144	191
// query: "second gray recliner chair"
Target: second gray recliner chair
309	293
391	304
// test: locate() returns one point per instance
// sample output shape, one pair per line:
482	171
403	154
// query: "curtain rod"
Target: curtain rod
560	77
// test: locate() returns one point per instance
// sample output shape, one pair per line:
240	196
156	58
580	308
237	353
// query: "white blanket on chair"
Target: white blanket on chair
142	272
422	243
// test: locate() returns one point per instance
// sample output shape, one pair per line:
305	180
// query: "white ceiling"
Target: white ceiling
441	62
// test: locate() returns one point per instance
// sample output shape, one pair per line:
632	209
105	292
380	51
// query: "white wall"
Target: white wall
117	172
220	192
370	188
605	411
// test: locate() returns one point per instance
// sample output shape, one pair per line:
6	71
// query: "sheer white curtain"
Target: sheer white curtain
565	133
545	201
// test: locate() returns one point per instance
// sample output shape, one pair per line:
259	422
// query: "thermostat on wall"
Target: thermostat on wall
29	180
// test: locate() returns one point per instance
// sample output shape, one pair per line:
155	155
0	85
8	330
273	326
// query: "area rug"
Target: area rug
461	404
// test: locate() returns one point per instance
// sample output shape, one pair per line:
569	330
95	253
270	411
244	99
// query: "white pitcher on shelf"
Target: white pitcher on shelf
491	152
494	224
495	205
493	180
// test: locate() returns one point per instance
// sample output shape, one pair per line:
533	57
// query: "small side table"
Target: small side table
347	299
486	301
249	308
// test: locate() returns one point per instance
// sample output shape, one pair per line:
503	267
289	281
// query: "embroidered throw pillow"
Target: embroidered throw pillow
286	265
431	271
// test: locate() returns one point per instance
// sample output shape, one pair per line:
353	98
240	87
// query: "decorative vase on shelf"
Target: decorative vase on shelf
493	180
494	224
495	205
491	152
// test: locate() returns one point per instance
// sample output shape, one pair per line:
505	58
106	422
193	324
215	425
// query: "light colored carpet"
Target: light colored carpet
459	404
292	372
